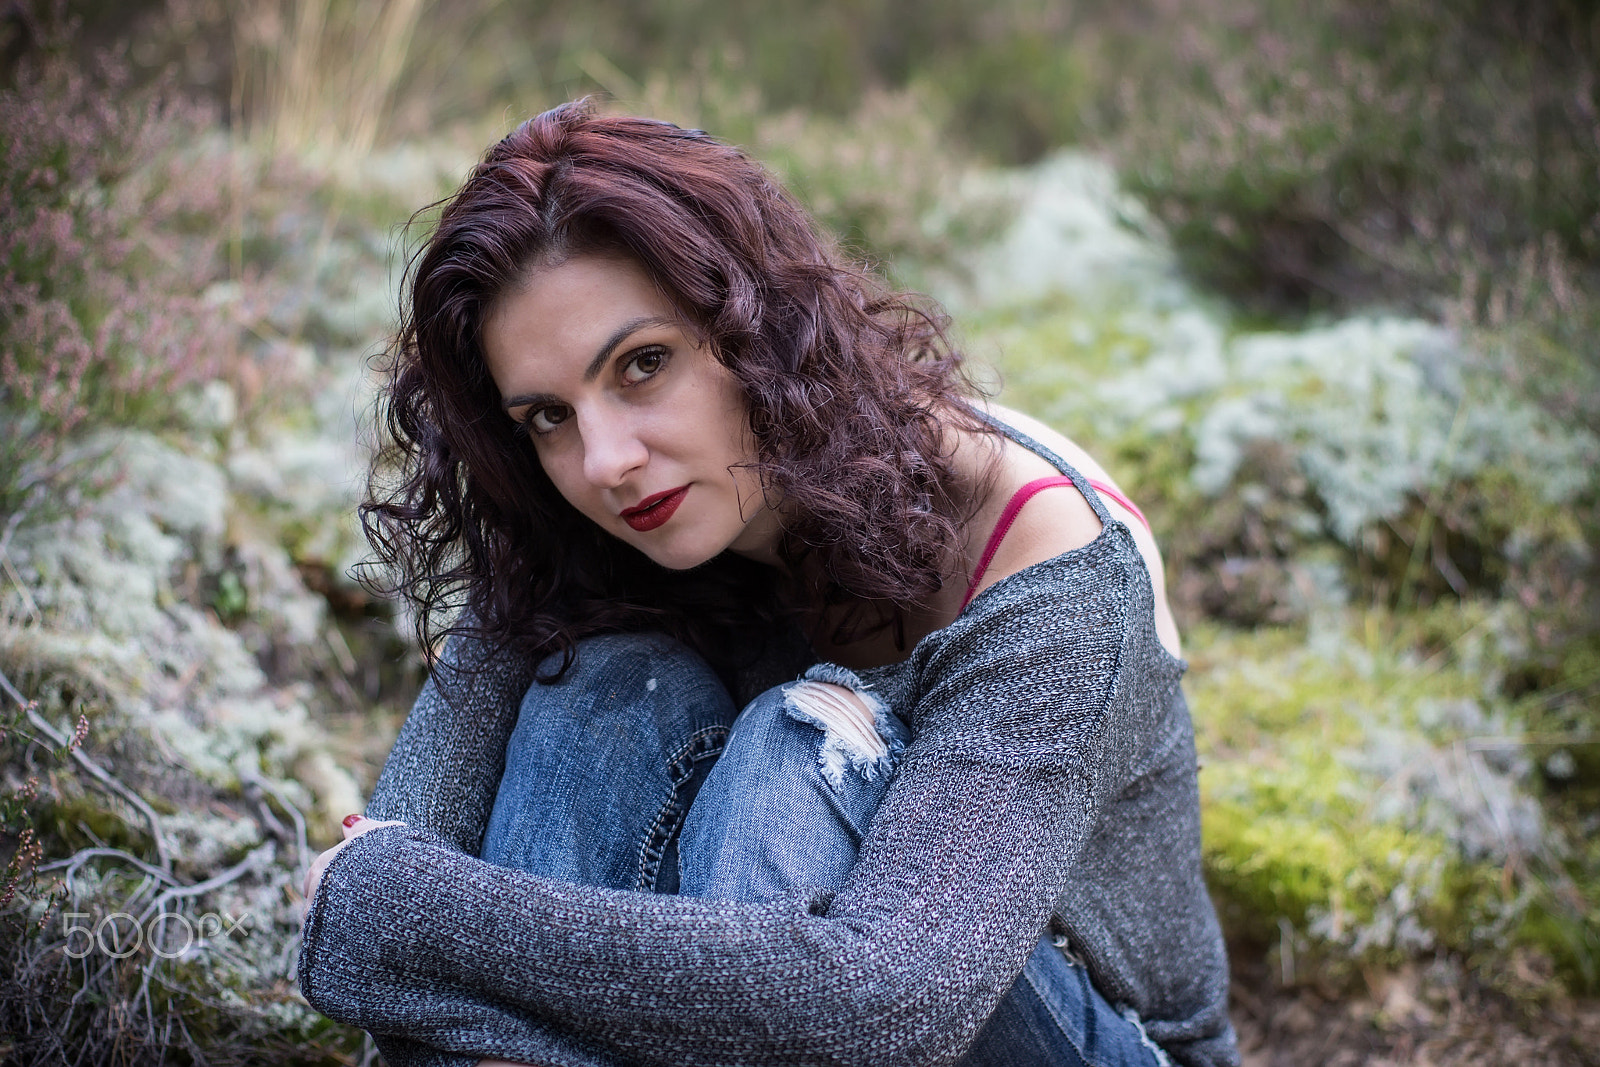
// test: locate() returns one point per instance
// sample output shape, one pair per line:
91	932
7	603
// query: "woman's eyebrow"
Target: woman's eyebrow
597	364
525	399
621	334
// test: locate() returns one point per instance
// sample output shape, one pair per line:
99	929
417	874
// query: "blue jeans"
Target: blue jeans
636	771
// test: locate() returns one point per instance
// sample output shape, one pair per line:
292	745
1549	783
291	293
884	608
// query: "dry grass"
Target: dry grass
318	75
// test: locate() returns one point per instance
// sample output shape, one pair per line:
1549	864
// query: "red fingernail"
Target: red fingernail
351	820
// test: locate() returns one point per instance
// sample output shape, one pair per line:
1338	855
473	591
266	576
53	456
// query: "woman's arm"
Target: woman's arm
443	772
445	767
956	881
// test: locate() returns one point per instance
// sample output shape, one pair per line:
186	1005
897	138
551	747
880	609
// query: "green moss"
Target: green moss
1570	937
1049	353
1284	851
1305	740
83	822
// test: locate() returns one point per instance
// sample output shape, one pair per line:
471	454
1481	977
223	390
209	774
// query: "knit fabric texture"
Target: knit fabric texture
1050	783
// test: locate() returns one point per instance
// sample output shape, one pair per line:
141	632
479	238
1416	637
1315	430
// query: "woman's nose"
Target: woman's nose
611	450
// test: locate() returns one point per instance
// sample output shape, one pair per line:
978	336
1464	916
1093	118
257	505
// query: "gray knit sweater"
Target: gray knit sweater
1051	779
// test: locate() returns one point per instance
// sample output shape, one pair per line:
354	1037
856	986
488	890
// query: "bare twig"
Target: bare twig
100	774
302	853
147	884
1582	682
1437	661
289	959
1424	536
259	857
341	650
22	587
75	862
15	518
1497	815
1485	743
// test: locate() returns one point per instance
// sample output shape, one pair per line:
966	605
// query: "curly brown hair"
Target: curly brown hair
850	390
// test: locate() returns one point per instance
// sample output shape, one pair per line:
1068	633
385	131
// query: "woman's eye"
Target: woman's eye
643	364
545	419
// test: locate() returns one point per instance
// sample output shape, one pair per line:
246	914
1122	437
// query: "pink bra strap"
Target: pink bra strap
1106	490
1009	516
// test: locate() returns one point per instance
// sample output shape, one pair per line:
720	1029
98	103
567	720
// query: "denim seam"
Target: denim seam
1049	1006
1127	1014
702	744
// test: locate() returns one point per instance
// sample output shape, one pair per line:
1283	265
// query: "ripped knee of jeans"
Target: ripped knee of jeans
859	731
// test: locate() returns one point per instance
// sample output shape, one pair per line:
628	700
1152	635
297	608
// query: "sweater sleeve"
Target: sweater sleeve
411	936
444	770
445	767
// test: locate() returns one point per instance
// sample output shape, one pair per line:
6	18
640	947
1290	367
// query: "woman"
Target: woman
679	461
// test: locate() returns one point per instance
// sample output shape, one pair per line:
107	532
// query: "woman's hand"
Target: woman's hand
354	827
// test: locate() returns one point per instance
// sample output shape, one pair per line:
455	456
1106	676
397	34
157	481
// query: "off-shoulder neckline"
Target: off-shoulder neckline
1101	544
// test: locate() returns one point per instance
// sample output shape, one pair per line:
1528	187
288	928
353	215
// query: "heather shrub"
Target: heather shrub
1415	154
998	65
1329	157
107	245
181	350
1379	518
192	826
880	178
1385	448
800	85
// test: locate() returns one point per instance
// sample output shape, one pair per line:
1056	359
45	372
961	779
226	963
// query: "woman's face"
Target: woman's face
637	424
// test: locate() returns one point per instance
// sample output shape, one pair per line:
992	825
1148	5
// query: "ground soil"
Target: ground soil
1428	1016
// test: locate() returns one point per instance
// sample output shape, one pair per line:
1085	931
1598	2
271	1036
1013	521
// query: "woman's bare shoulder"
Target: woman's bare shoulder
1054	440
1047	525
1060	520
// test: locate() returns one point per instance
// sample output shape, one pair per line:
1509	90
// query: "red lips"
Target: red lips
654	510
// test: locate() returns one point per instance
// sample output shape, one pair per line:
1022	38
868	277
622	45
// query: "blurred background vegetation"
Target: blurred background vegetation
1318	283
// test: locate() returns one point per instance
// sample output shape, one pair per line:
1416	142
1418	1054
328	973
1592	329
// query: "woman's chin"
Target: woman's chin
677	557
